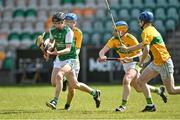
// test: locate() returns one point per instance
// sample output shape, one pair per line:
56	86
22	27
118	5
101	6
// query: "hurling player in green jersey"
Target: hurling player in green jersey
64	64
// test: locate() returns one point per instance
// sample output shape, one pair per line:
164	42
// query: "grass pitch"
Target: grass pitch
28	102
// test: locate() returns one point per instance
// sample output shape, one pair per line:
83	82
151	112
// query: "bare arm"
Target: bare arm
145	54
103	51
65	51
137	47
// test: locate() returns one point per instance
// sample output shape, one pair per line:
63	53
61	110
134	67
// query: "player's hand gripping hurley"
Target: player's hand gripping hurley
41	45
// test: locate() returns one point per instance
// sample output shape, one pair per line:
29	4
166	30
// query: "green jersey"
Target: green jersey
62	38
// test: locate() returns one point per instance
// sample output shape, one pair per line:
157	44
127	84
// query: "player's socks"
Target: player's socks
94	93
149	102
150	106
55	99
124	102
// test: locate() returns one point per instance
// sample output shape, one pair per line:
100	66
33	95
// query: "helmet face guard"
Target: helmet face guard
58	17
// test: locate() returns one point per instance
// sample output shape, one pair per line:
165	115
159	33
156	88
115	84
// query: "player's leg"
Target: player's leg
158	90
161	91
53	76
128	77
171	88
166	72
54	72
70	95
137	86
145	77
72	79
59	84
65	82
71	91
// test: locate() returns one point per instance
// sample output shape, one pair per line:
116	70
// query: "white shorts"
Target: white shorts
77	67
74	63
130	65
164	70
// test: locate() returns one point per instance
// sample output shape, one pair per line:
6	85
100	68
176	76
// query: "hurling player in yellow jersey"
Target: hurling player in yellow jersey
71	20
130	67
161	64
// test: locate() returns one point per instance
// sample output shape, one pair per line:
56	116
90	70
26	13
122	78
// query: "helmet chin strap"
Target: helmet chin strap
143	24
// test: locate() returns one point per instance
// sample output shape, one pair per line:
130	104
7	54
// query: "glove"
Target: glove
41	45
40	41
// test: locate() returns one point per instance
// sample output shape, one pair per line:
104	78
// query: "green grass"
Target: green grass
28	102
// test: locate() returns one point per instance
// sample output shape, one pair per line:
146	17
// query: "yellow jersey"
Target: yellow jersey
78	36
128	40
150	36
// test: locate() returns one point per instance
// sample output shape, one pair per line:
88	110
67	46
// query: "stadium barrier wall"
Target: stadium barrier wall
30	66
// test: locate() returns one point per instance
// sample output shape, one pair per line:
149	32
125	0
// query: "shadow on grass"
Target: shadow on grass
21	111
6	112
49	84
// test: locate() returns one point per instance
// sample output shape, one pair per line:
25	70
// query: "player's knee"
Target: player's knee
140	82
136	86
59	77
127	80
77	85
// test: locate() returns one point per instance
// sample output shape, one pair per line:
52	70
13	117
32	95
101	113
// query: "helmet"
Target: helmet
121	25
58	16
146	16
71	16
